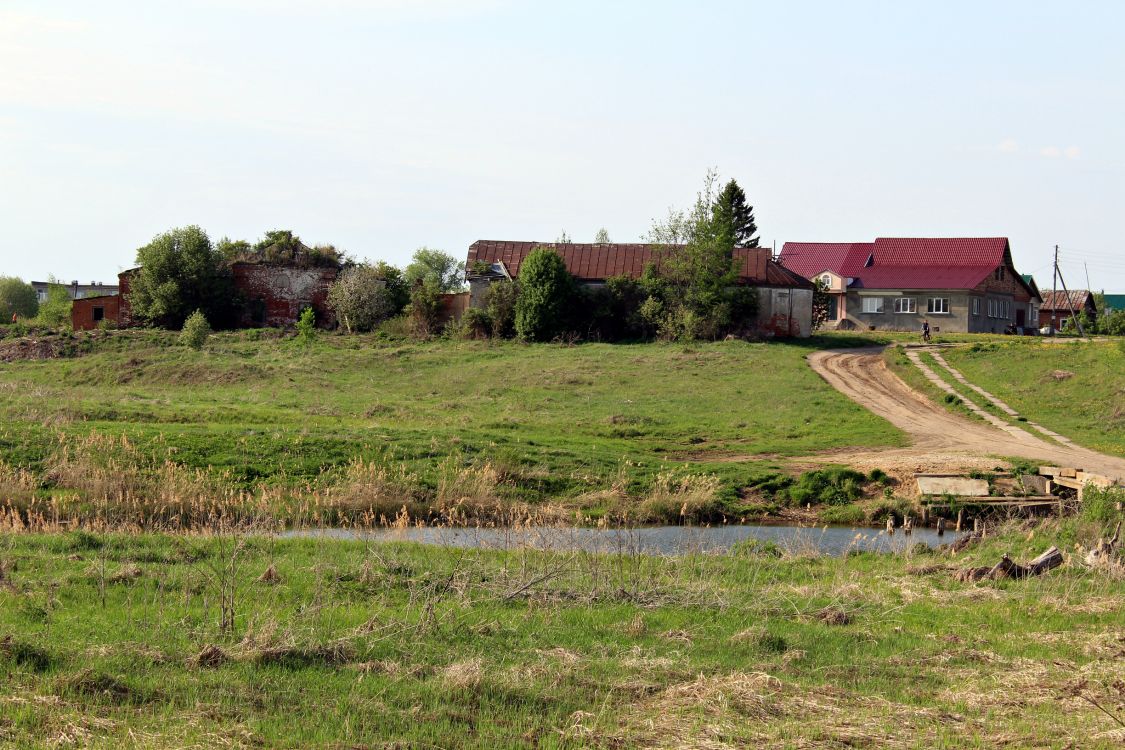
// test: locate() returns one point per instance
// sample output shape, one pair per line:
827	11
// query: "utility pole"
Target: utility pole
1055	293
1069	302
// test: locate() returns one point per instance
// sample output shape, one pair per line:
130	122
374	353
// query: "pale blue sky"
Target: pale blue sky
383	125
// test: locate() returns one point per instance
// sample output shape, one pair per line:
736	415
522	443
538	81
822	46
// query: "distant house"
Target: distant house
784	297
1059	306
1113	302
74	289
959	285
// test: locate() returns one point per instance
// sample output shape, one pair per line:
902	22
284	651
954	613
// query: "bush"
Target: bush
474	324
181	271
834	485
361	298
195	331
1100	504
306	326
54	312
424	309
546	288
500	302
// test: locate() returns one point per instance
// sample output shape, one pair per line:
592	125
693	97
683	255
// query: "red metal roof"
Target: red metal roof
811	258
940	251
1060	300
903	262
597	262
921	277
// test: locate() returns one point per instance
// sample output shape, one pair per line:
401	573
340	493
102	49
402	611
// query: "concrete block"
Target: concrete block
951	485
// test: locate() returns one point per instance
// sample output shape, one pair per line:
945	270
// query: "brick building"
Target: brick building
959	285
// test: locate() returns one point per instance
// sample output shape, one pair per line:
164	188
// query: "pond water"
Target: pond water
657	540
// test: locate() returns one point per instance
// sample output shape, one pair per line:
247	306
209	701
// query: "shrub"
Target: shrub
306	326
17	298
195	331
361	298
424	309
834	485
474	324
546	288
500	302
1100	504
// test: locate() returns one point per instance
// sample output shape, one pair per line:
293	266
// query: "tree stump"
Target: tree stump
940	526
1006	568
891	525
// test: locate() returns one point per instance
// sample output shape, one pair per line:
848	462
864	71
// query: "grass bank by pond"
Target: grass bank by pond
113	641
367	425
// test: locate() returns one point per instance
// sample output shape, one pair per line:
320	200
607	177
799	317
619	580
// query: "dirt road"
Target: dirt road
940	440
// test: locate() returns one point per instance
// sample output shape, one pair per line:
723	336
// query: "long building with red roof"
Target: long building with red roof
956	284
784	296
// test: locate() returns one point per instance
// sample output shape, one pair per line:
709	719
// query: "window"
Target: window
938	305
1034	314
991	308
826	280
906	305
1005	309
41	294
99	314
976	305
873	304
998	274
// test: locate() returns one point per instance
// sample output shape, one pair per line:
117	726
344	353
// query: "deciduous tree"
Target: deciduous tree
17	298
180	272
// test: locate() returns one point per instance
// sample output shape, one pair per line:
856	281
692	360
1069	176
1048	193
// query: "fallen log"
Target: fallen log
1006	568
1105	550
965	541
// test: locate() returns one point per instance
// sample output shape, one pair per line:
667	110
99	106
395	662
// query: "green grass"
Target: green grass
1088	407
554	421
392	645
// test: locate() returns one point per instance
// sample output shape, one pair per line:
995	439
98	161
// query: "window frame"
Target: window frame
976	306
944	304
882	304
912	306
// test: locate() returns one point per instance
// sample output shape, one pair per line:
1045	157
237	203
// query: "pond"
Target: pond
656	540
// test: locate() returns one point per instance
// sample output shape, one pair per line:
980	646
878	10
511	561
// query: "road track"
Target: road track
939	439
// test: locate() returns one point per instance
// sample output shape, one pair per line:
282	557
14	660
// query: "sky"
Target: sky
381	126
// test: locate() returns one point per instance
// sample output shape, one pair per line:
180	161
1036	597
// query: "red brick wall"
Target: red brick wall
275	295
82	311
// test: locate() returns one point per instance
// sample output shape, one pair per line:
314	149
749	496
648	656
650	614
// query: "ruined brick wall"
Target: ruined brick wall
85	312
124	280
275	295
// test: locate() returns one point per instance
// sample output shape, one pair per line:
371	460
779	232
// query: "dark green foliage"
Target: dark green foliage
17	298
180	272
397	287
424	309
546	291
820	304
834	485
500	302
475	323
735	217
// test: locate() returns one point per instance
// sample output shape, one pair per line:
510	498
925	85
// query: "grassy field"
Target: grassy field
110	641
415	422
1075	388
1085	401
